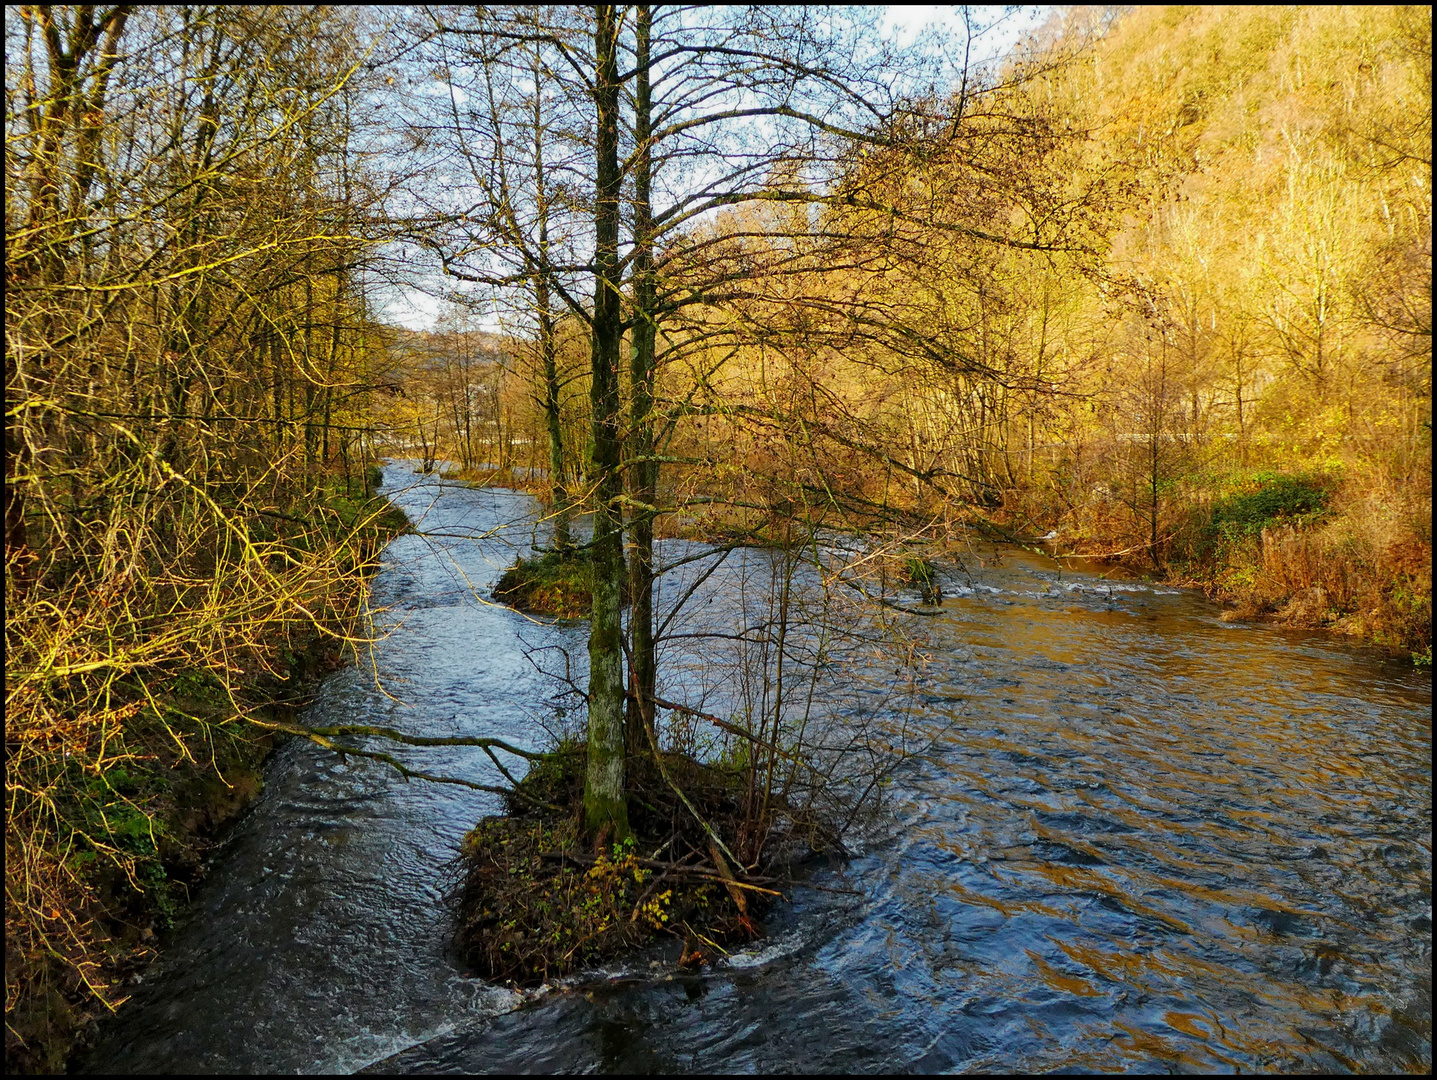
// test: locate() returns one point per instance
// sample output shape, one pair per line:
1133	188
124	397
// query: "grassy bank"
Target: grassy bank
1316	554
1314	550
130	744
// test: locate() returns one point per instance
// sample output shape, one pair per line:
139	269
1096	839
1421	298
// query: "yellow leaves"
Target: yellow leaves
656	910
609	883
616	872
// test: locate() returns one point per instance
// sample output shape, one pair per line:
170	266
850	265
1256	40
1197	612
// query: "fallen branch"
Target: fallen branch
667	868
732	884
398	736
664	772
322	737
404	770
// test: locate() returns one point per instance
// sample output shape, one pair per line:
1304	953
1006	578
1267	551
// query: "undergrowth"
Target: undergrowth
1315	550
128	742
1265	501
535	903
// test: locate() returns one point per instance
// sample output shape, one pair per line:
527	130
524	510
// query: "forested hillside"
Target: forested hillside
1287	276
1201	346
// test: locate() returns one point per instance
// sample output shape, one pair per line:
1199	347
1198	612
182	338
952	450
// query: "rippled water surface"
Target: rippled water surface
1140	838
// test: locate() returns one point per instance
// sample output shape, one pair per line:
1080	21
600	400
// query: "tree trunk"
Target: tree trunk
548	346
606	815
643	470
311	431
559	496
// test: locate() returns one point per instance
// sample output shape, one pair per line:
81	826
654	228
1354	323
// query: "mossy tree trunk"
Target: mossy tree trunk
605	796
643	470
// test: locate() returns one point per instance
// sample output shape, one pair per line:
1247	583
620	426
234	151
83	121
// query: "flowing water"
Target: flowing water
1138	838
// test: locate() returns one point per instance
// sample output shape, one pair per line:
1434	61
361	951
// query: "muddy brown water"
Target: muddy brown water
1141	838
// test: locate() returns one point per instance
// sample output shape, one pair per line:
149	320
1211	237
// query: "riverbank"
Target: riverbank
141	773
1311	551
1307	579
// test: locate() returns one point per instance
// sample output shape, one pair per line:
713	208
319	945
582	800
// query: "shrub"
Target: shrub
1270	499
922	575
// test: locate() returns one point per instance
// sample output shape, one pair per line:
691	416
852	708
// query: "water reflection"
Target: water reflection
1139	838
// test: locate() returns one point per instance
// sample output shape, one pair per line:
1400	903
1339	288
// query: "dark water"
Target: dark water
1140	839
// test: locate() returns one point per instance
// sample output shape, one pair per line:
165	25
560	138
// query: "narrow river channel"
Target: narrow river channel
1141	838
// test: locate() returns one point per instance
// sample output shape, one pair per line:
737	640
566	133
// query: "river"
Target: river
1137	838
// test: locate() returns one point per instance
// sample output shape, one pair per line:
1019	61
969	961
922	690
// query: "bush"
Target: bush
126	750
923	576
1295	549
1270	499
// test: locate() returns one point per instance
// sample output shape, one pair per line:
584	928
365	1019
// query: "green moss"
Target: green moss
561	586
365	524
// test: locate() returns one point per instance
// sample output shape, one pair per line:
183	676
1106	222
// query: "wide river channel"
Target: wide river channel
1135	838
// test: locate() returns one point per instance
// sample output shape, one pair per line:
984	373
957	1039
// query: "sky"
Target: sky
906	20
416	310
